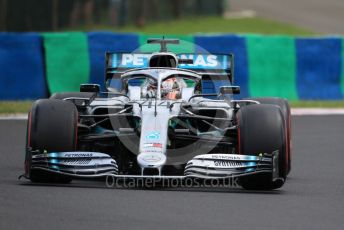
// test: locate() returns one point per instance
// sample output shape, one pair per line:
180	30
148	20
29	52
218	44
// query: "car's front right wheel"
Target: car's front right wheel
52	127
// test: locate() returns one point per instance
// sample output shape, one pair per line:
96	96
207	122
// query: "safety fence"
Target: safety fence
35	65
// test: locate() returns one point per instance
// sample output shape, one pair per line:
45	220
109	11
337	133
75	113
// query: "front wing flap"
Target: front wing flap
209	166
76	164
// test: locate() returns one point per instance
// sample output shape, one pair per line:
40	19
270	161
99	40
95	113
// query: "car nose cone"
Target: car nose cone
151	159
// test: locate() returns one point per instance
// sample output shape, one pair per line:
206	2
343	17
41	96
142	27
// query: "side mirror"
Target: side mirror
229	90
90	88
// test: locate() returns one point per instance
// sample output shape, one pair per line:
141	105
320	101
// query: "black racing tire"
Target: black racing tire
65	95
285	108
52	127
261	130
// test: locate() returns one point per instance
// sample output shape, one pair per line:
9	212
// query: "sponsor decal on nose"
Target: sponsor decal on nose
153	135
153	145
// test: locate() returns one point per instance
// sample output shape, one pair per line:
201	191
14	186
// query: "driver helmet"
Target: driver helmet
171	88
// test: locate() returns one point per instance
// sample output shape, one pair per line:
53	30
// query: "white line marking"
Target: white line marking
316	111
19	116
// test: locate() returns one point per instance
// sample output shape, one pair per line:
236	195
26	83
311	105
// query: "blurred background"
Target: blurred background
317	16
54	15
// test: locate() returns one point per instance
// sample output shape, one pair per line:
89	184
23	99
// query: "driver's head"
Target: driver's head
170	89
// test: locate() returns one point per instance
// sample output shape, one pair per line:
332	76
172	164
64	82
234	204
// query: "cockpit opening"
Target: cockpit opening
170	88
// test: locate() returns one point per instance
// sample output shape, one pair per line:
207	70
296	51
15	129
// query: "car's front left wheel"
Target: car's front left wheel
261	129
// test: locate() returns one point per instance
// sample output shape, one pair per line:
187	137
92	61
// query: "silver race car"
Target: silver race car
163	116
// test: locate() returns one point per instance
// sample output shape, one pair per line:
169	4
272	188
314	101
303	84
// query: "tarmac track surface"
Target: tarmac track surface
323	16
312	198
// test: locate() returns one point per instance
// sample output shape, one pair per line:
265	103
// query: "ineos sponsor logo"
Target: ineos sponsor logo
228	163
149	150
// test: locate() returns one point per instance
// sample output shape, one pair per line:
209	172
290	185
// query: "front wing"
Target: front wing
205	166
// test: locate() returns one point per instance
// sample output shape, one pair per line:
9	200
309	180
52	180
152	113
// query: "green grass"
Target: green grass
211	25
317	104
9	107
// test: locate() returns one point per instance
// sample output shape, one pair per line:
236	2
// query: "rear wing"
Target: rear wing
209	66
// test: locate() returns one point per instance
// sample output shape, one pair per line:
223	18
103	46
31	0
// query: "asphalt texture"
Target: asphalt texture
317	15
312	197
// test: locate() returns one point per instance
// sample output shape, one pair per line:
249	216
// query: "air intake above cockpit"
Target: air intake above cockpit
163	60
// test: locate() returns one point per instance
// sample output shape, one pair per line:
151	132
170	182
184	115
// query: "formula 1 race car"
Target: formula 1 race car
163	116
